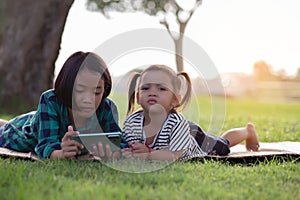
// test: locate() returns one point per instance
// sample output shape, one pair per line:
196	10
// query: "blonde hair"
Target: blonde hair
176	82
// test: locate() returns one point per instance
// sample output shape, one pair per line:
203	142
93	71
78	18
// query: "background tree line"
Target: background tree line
30	36
264	72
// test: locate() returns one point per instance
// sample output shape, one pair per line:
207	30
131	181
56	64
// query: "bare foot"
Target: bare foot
252	143
2	122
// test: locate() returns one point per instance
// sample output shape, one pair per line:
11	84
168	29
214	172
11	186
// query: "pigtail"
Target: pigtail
131	92
186	98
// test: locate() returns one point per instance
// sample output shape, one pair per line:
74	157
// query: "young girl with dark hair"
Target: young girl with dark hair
78	103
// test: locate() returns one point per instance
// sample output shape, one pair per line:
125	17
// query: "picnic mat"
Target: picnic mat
268	151
6	153
238	154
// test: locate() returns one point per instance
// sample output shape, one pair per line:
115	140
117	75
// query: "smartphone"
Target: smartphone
113	139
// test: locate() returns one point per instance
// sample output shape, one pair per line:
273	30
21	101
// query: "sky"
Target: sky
234	34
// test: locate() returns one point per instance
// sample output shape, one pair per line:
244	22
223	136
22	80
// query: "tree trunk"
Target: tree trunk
30	39
179	46
178	57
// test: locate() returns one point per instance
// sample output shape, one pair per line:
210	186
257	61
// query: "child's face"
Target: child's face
156	89
88	92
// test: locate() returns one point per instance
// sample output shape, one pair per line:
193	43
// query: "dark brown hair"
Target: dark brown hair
63	86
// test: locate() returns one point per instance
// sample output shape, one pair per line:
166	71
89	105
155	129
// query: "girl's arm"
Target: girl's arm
50	125
164	155
143	152
47	126
160	155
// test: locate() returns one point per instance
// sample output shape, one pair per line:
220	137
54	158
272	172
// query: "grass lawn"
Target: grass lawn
54	179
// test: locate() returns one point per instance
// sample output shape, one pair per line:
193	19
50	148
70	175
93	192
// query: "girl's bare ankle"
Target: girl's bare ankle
252	143
2	122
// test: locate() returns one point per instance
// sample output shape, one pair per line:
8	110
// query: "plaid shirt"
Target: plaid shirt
41	131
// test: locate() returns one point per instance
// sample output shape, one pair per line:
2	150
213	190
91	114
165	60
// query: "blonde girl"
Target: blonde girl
158	131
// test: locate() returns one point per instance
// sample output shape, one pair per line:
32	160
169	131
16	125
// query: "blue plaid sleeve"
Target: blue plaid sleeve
17	135
48	126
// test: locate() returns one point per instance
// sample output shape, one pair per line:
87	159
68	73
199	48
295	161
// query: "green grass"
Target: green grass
276	179
193	180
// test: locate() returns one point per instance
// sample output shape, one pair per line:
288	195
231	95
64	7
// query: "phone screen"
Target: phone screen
113	139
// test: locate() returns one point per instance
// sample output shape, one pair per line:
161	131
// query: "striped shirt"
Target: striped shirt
173	136
41	131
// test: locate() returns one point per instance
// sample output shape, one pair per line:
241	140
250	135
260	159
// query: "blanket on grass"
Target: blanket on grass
285	151
268	151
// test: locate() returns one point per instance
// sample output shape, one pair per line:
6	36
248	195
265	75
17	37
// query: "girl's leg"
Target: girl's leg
238	135
2	122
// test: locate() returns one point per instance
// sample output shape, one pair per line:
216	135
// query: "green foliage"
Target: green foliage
151	7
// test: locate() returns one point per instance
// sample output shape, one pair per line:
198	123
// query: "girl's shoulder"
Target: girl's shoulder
176	116
49	95
49	100
137	114
107	101
49	103
107	104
